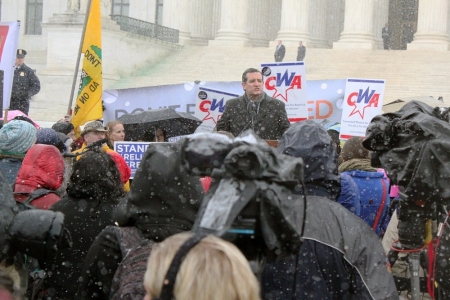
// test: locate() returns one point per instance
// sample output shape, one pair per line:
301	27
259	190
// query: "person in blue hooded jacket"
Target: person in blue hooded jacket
373	185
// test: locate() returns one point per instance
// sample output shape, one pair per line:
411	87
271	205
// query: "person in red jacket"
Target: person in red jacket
42	168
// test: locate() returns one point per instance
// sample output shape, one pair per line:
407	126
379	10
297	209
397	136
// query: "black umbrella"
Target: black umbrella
143	125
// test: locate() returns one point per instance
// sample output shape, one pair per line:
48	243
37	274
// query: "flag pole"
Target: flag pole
72	92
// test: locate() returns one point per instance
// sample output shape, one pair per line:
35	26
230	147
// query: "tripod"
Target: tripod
424	256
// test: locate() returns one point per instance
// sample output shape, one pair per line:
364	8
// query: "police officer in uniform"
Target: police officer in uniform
25	84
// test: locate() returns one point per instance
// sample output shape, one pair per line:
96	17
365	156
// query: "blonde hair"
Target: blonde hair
111	125
213	269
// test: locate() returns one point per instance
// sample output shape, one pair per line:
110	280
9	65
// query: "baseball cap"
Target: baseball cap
94	126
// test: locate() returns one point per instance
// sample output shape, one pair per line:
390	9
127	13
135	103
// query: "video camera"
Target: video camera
249	202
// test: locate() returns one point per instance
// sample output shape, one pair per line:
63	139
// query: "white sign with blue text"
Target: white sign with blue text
132	152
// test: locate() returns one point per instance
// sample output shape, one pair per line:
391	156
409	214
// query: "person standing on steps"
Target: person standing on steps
280	51
301	51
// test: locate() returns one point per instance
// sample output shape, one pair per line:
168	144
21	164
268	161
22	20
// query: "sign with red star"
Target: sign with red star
363	100
287	83
210	106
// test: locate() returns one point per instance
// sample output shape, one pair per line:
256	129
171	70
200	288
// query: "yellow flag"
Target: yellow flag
88	105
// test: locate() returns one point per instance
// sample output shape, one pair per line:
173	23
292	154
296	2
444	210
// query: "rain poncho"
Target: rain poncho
314	145
322	251
413	146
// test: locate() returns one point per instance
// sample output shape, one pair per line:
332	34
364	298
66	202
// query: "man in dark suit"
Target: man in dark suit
301	51
254	110
25	84
280	51
385	34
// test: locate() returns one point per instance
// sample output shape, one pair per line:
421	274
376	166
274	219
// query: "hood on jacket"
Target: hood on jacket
164	198
311	142
252	188
42	167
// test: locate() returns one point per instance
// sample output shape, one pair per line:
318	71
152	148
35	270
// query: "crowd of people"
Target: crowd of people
320	210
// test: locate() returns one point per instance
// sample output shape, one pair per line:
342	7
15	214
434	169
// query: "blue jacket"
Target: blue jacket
373	190
350	197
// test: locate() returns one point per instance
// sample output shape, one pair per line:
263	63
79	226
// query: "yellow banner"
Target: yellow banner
88	105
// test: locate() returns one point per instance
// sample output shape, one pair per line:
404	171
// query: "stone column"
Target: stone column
202	21
83	5
294	23
381	18
176	16
258	22
233	29
73	5
318	27
358	26
335	23
431	27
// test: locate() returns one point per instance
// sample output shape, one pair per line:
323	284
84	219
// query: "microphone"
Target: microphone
97	143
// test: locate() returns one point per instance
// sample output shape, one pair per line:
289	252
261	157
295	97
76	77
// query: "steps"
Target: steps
407	73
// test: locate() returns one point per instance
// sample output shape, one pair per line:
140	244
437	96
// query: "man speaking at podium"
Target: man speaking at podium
254	110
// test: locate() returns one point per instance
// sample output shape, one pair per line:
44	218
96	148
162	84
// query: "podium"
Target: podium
273	143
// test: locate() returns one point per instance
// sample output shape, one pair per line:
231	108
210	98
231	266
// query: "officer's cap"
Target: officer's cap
21	53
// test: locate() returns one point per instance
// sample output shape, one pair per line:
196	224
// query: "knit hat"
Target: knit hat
17	136
353	148
46	136
93	126
64	127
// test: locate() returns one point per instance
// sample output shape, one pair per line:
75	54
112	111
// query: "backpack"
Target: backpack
129	276
26	204
375	200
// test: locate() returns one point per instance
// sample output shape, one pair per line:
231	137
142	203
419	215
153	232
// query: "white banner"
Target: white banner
209	107
325	98
287	82
363	100
9	39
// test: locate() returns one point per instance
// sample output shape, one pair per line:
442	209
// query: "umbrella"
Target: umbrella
141	124
14	113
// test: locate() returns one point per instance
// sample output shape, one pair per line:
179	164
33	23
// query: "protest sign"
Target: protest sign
363	101
287	82
210	106
9	38
132	153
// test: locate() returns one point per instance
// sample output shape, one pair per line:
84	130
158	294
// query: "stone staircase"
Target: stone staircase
407	73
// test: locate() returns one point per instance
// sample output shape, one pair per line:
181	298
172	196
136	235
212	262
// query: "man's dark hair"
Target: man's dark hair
249	70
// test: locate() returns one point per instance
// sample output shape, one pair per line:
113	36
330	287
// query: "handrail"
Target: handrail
147	29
